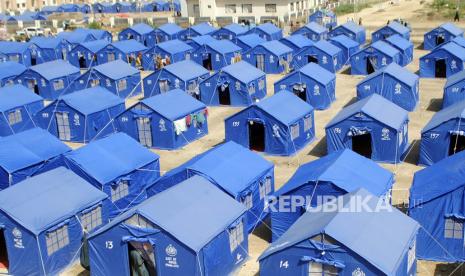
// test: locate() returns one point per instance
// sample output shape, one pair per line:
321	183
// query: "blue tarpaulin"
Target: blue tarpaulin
126	50
84	55
350	29
267	31
176	50
323	53
443	61
167	32
296	42
347	46
141	32
197	30
440	35
391	29
230	32
373	57
454	89
271	57
44	49
326	18
15	51
404	46
216	54
249	41
313	31
9	70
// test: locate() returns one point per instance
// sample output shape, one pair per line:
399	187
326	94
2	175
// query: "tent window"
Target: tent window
64	131
164	86
236	236
294	131
247	201
119	191
122	85
315	269
308	124
15	117
251	88
58	85
261	84
411	256
144	129
57	239
14	58
92	219
453	229
265	187
140	222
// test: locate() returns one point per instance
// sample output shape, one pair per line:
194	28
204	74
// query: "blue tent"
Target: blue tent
280	125
217	54
196	30
116	76
200	41
350	29
334	241
84	8
380	134
313	31
243	175
238	84
323	53
152	6
74	38
326	18
347	46
443	135
125	50
230	32
393	28
118	166
185	75
9	70
123	7
453	89
439	35
394	83
68	8
296	42
141	32
84	55
167	32
50	79
459	40
312	83
332	175
271	57
443	61
373	57
104	7
43	220
82	115
436	202
18	106
163	226
267	31
15	51
95	33
176	50
29	153
166	121
249	41
44	49
404	46
46	10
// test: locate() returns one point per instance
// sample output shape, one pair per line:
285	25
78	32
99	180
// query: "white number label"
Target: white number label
283	264
109	244
337	130
434	135
235	124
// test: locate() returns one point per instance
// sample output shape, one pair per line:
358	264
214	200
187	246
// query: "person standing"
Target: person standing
457	15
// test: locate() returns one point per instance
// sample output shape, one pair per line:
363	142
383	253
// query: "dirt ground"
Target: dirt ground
430	102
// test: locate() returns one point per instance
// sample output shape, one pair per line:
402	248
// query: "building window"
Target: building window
247	201
119	191
57	239
122	85
453	229
308	124
15	117
140	222
291	6
230	8
58	85
92	219
236	236
265	187
294	131
411	256
270	8
246	8
318	269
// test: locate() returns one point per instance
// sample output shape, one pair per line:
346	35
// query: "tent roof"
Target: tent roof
455	111
317	73
174	104
42	201
451	28
203	39
97	34
380	237
111	157
95	45
194	201
342	169
325	12
276	47
251	40
10	69
327	47
55	69
46	42
243	71
399	42
390	114
453	49
397	27
345	40
174	46
13	47
28	148
396	71
186	70
116	69
460	40
203	28
268	28
92	100
129	46
352	27
75	37
315	27
15	96
298	40
223	46
285	107
454	79
170	28
235	28
141	28
384	47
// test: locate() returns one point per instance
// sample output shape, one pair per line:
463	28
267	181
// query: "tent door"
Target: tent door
144	130
82	62
111	57
32	84
207	61
64	131
440	68
141	259
370	64
440	39
256	136
300	91
312	59
3	253
63	54
154	8
456	144
33	60
361	144
94	82
224	94
260	62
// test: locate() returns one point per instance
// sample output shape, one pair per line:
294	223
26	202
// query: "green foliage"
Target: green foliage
94	25
349	8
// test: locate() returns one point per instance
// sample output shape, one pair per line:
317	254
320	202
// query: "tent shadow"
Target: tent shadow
452	269
420	46
319	150
346	70
435	105
84	273
353	100
414	152
263	230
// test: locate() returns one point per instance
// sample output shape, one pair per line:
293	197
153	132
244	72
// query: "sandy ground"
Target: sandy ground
430	102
